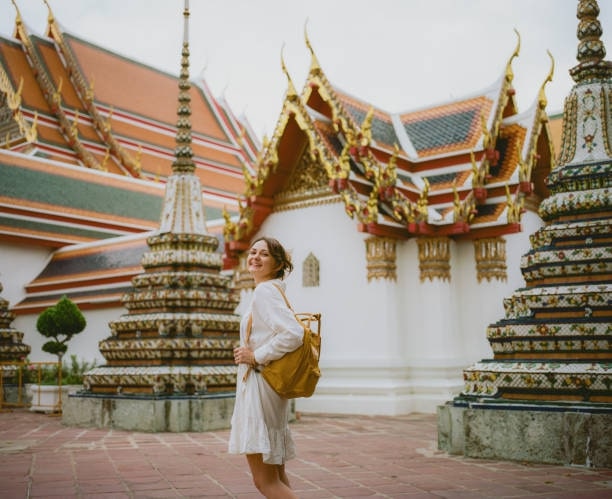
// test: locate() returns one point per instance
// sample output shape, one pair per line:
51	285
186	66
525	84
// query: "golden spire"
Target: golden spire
183	152
591	50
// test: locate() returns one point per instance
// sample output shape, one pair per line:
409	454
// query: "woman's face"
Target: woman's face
260	263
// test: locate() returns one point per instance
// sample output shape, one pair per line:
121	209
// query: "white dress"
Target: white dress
260	418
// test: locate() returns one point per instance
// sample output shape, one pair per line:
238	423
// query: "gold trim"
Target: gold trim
490	256
434	258
381	256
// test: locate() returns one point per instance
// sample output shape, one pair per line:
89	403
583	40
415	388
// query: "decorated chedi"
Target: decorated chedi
552	351
12	348
178	337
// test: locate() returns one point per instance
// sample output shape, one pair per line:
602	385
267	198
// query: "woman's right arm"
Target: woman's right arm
288	332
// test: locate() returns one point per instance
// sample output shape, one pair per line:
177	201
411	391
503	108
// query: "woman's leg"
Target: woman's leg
282	475
267	478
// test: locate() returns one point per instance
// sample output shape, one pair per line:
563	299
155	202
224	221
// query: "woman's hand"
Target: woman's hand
244	355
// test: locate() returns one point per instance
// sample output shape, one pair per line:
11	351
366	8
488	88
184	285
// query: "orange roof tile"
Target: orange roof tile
106	69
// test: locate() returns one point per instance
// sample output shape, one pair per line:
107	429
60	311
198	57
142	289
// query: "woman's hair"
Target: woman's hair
281	257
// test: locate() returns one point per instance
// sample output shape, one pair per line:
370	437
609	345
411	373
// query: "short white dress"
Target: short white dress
260	422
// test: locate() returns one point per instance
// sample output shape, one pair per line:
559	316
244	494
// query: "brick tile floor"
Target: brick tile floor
338	456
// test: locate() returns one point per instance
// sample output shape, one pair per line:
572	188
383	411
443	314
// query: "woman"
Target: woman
260	421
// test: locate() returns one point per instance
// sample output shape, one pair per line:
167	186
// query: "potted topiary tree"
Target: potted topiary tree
59	323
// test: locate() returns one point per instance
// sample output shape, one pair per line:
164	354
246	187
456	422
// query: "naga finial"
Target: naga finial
542	101
509	72
18	19
50	18
291	92
314	62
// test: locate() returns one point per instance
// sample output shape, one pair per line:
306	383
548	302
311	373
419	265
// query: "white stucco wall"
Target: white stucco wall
20	264
391	347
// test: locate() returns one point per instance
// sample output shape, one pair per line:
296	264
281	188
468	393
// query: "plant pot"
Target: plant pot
46	398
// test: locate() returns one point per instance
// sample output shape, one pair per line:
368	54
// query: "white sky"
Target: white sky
399	55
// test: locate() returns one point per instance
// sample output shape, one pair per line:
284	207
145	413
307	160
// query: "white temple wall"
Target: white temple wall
361	358
19	265
476	313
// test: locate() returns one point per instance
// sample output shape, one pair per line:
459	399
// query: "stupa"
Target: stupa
13	352
169	360
12	348
546	396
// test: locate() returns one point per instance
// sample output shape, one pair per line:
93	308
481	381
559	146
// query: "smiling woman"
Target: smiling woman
268	330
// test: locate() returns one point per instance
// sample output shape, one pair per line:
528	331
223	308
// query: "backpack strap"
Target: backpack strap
249	327
284	297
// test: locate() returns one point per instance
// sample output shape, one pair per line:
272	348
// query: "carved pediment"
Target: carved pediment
308	185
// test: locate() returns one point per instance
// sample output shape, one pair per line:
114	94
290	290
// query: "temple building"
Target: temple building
402	226
546	395
406	228
85	156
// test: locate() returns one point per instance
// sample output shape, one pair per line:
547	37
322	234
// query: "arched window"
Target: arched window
310	271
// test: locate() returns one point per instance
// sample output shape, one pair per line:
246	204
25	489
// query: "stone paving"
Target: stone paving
338	456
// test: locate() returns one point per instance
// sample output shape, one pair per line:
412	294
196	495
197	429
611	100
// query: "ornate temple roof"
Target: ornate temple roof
85	152
462	168
64	99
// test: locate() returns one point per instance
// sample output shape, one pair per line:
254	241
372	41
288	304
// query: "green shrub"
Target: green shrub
60	322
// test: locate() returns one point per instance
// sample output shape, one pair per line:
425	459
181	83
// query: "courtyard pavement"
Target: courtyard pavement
338	456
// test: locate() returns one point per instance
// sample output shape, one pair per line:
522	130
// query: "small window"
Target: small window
310	272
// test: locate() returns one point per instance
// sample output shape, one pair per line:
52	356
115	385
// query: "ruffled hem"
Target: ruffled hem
282	447
276	446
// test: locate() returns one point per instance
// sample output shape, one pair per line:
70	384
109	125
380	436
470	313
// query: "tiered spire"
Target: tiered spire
555	341
12	348
179	334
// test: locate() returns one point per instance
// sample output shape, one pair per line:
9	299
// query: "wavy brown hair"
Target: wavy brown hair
280	255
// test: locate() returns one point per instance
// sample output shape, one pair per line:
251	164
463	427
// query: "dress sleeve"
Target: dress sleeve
288	333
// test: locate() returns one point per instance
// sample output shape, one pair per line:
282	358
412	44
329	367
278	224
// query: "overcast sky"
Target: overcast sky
399	55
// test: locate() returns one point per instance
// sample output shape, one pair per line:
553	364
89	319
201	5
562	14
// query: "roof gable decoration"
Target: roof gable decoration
389	194
540	127
256	206
10	107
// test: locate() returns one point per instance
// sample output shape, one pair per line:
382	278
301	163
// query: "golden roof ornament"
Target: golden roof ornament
315	67
509	72
183	153
13	99
542	100
18	21
291	92
366	128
